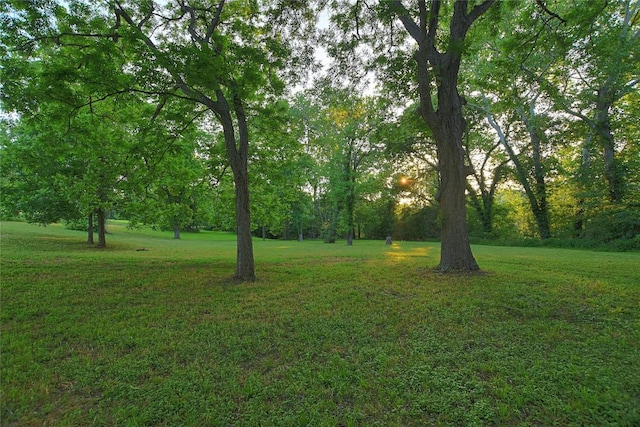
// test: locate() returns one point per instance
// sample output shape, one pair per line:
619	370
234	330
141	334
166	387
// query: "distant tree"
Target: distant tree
529	162
345	141
168	184
56	92
32	183
277	168
489	171
57	171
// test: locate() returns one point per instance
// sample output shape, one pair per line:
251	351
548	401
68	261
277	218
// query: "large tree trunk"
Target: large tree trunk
245	267
455	252
102	228
90	229
176	230
448	126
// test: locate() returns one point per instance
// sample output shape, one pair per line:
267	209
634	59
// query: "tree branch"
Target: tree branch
57	39
477	11
214	106
548	12
214	22
184	8
409	24
147	17
628	87
434	19
423	16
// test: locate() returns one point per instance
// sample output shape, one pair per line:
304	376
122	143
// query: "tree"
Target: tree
77	144
529	164
31	183
341	132
207	46
55	91
228	57
57	170
169	183
353	122
308	128
438	60
602	69
489	170
277	167
586	69
243	58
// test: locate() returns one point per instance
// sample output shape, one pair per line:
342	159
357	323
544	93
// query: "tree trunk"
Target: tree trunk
102	229
90	229
448	126
540	209
584	182
238	155
602	124
245	268
455	252
176	230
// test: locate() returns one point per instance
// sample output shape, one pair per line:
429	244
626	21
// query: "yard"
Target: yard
329	335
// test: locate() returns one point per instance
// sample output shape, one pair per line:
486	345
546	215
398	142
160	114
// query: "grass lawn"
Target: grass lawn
329	335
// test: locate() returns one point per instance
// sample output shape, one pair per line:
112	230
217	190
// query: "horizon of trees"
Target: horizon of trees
216	115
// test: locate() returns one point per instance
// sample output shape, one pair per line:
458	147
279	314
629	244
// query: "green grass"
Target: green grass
329	335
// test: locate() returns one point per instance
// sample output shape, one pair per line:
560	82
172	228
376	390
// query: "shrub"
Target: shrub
613	224
78	224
